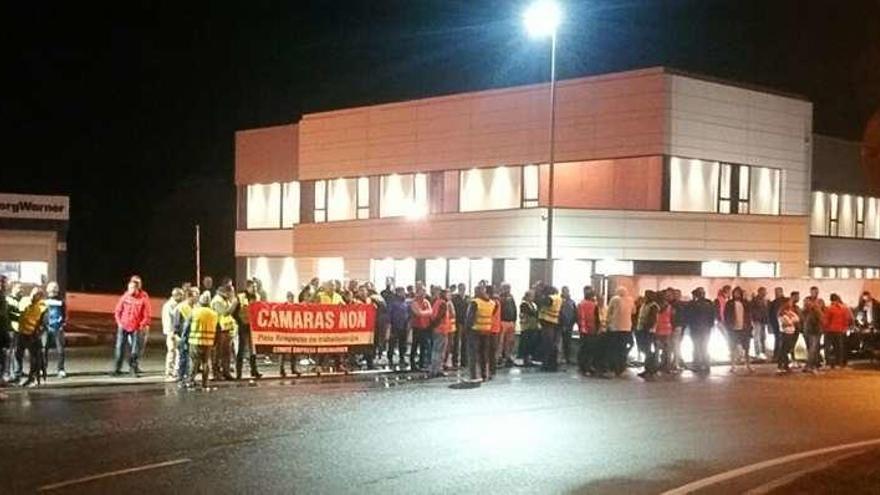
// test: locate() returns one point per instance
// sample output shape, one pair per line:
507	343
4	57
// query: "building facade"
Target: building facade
657	173
33	238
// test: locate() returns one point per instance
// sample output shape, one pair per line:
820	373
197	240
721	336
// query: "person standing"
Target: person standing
224	304
203	329
568	317
812	326
646	333
788	321
32	323
701	319
773	309
398	316
758	313
588	329
132	316
549	306
420	308
444	325
663	333
836	320
56	319
508	326
13	311
621	308
868	312
5	333
530	330
245	343
679	323
143	335
736	320
182	329
170	316
461	301
480	314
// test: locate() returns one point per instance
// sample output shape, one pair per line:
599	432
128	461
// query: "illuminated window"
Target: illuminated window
764	191
530	183
574	274
517	273
757	269
403	195
832	215
491	189
614	267
263	206
435	272
320	201
278	276
819	217
718	269
693	185
363	198
342	199
28	272
860	218
469	271
872	218
724	203
846	216
289	204
331	268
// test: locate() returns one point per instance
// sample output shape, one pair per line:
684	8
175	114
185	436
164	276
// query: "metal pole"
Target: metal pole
548	274
198	256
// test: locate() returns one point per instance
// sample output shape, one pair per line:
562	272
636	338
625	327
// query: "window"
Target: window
517	273
693	185
845	215
757	269
278	275
289	204
469	271
363	198
342	199
530	186
401	272
844	272
491	189
28	272
320	201
614	267
403	195
718	269
574	274
264	206
705	186
435	272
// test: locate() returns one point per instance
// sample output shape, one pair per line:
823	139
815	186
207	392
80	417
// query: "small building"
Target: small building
33	238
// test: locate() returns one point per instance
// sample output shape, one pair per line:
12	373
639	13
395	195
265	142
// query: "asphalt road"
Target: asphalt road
525	432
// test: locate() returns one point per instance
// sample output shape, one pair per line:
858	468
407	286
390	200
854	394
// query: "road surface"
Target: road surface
525	432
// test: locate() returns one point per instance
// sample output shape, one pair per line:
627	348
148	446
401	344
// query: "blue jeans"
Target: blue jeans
123	338
183	357
438	351
812	349
56	338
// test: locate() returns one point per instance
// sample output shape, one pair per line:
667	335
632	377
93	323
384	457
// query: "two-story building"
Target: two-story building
657	172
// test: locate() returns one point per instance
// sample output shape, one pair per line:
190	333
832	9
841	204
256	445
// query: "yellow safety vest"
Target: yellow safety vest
243	303
185	310
323	298
221	306
203	327
31	317
483	318
551	313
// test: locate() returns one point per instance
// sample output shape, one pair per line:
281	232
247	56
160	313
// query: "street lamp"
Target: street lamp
542	19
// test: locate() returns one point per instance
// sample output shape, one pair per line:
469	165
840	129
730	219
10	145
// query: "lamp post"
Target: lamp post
542	19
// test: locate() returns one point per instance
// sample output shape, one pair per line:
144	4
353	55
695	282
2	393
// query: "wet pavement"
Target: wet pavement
524	432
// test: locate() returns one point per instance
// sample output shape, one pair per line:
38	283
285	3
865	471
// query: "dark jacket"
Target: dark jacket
398	313
773	314
701	314
862	316
460	303
730	315
568	313
508	309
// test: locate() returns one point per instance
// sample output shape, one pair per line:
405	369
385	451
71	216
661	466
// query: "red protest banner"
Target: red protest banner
311	328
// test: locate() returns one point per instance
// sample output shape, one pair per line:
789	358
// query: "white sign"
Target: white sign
34	206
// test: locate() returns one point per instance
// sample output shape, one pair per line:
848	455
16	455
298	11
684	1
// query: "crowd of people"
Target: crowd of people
437	329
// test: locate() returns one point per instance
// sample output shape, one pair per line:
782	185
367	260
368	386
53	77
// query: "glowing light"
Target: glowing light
718	269
542	18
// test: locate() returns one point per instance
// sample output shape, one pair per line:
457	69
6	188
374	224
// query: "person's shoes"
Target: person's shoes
116	373
28	383
256	375
135	372
62	374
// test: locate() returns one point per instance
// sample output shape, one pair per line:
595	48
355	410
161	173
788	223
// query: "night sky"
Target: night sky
130	107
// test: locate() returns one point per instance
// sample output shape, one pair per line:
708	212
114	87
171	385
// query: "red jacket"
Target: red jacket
133	311
588	317
837	318
421	314
664	321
